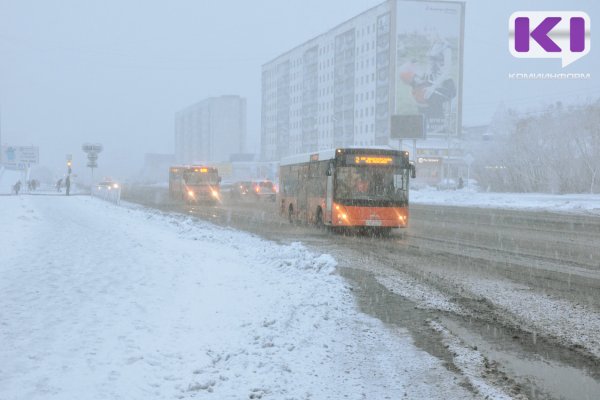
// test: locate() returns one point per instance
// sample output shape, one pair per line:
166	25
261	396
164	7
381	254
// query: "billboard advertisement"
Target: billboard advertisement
19	157
428	64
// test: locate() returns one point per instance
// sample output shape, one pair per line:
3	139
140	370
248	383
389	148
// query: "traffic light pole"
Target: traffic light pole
68	180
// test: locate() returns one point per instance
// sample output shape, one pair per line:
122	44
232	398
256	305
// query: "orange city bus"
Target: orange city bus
194	184
351	188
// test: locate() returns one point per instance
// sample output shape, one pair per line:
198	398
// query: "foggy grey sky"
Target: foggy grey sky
115	72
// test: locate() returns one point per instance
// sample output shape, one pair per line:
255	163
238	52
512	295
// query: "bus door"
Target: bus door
329	192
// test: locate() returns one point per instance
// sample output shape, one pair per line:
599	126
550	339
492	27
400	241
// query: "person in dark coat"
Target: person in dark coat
58	185
17	187
68	184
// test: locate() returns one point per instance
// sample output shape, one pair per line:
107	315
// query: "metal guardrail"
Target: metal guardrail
107	193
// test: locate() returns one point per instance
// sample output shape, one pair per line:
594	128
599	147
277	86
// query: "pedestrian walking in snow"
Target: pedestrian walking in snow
68	184
17	187
58	185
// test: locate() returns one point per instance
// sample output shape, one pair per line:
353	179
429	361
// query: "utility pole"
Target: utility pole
68	180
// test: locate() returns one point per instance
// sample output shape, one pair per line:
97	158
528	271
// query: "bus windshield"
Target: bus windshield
201	178
368	183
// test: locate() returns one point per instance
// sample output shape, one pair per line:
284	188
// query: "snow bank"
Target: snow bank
579	203
106	302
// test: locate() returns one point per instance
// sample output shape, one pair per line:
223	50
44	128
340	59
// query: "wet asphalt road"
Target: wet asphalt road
556	254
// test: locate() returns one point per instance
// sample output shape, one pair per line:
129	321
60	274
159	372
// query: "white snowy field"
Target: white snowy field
572	203
106	302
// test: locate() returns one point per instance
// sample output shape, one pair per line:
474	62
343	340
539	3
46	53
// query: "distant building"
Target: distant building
242	157
210	130
400	59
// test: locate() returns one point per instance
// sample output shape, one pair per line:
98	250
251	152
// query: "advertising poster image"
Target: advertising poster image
428	60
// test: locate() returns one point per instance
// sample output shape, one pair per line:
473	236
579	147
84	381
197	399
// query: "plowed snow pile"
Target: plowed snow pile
106	302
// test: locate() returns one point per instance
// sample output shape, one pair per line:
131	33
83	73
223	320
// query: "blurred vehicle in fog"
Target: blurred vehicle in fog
108	190
195	184
241	189
264	189
107	184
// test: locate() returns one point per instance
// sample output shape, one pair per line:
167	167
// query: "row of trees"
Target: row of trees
556	150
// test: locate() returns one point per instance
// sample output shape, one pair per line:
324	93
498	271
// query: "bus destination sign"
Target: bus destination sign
369	160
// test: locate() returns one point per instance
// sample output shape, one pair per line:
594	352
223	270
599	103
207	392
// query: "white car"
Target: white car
264	189
108	185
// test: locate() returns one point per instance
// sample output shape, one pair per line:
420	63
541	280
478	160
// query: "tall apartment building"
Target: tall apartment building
210	130
342	88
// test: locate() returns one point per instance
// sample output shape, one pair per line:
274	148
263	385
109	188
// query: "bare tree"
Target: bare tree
554	150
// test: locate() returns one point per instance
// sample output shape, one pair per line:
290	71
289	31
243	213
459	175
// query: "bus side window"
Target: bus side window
287	180
323	165
312	169
304	173
330	168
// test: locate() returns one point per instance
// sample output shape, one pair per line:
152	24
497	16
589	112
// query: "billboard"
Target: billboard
19	157
407	127
429	64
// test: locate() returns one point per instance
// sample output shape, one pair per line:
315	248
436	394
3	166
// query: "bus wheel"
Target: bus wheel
319	218
385	232
291	214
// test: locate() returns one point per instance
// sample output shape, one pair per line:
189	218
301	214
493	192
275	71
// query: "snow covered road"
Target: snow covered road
106	302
